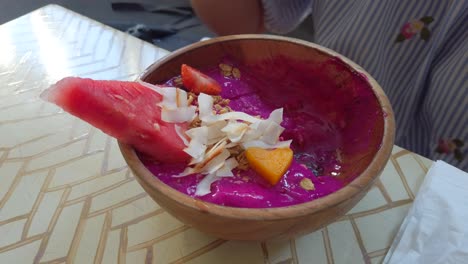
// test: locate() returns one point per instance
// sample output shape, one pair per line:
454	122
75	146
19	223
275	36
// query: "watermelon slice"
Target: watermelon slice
127	111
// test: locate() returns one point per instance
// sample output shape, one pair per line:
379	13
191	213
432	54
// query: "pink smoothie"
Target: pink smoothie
330	113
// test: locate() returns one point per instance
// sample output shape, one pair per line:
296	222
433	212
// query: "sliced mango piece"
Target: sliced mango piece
270	164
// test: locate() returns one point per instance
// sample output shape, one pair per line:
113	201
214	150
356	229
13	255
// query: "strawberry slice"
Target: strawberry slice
197	82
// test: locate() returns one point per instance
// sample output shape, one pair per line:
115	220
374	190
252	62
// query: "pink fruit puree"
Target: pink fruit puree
330	112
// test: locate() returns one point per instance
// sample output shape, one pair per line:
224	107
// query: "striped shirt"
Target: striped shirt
416	50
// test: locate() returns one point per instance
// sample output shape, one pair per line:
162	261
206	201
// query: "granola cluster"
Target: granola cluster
239	154
229	71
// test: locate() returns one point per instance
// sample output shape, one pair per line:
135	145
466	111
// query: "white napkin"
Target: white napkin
436	227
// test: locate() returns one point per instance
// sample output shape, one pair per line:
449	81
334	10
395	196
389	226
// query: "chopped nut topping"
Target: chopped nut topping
195	123
217	107
191	98
221	105
242	160
225	102
307	184
235	150
225	67
217	99
223	110
178	82
226	73
236	73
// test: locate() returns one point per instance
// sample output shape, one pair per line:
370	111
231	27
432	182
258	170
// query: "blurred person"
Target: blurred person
416	50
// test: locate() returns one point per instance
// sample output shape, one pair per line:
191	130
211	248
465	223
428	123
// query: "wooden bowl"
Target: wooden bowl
269	223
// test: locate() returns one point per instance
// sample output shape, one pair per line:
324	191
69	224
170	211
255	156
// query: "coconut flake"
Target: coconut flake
179	115
235	131
272	133
217	162
226	169
207	134
178	130
211	161
205	106
195	161
187	171
174	104
208	145
173	98
204	186
263	145
169	98
195	149
181	98
212	153
198	134
276	116
214	132
230	116
255	130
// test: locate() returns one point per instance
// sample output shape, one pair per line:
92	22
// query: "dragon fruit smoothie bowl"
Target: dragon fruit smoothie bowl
337	118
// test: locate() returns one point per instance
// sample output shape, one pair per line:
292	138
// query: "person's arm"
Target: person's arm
230	17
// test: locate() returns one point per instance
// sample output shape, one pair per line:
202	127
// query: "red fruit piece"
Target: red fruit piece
127	111
198	82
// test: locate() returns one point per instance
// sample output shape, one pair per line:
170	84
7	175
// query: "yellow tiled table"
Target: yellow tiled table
67	196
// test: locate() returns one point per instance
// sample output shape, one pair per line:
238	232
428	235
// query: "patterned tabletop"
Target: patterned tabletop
67	196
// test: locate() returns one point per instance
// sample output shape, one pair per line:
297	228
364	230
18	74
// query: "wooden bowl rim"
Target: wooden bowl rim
362	181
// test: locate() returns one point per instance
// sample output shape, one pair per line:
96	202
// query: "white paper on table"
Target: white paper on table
436	227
